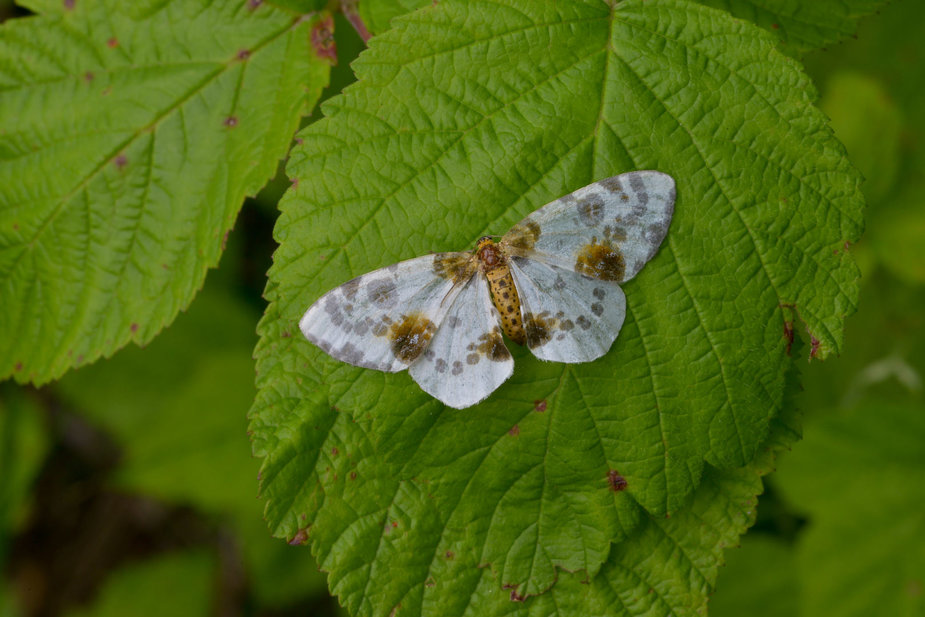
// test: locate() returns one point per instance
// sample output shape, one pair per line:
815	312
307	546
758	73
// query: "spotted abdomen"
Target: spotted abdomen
504	297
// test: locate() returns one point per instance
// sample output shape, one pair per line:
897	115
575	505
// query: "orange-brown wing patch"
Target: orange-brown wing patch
601	260
410	336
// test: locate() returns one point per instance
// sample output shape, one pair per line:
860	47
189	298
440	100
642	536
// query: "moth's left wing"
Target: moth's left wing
466	360
385	319
567	317
607	230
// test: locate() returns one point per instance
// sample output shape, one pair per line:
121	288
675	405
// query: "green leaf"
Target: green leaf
129	136
378	14
462	122
860	474
802	26
179	584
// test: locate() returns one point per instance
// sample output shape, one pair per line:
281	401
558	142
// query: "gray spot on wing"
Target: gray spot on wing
599	293
457	367
597	308
591	210
381	293
612	184
351	287
583	322
440	365
350	354
334	310
639	188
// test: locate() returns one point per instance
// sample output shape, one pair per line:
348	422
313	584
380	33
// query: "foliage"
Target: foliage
389	482
130	134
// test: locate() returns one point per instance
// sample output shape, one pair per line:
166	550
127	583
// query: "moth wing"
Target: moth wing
607	230
568	317
467	359
386	318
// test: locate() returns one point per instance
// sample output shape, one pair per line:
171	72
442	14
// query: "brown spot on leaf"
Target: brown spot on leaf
601	261
788	334
449	555
515	431
301	537
411	336
113	42
334	451
353	475
815	344
88	76
134	327
616	481
322	39
231	121
540	405
120	161
253	4
244	54
18	367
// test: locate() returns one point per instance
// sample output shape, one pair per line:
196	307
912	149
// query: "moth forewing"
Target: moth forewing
385	319
607	230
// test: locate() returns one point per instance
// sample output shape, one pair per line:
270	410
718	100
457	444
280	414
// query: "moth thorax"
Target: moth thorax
489	254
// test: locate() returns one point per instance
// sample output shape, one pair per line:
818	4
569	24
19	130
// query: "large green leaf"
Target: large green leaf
129	135
802	26
860	475
462	122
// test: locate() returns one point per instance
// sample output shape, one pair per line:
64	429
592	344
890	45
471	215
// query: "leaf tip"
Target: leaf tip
300	538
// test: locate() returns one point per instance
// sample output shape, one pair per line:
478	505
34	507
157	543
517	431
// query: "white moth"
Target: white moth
552	282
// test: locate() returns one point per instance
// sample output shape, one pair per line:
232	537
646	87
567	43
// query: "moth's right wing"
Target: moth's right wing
385	319
607	230
467	359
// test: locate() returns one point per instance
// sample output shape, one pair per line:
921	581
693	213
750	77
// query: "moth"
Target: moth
551	283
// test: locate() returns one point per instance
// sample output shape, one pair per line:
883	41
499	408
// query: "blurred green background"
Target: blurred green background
105	503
